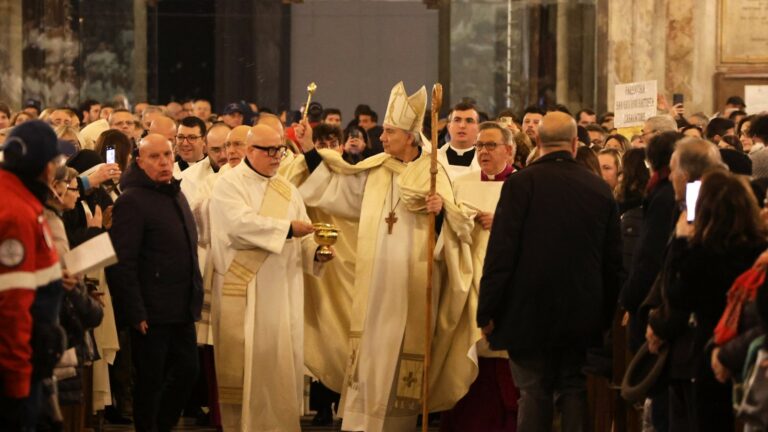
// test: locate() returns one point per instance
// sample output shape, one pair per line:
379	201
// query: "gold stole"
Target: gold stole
230	351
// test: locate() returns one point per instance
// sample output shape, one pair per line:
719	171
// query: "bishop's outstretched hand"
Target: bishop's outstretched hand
304	135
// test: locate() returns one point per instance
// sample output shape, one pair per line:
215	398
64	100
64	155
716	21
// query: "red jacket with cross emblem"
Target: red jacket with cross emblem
28	261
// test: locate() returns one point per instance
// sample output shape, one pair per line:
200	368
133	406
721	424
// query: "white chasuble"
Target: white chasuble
273	365
383	383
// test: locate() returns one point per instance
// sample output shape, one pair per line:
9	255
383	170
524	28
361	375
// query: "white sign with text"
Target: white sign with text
756	98
634	103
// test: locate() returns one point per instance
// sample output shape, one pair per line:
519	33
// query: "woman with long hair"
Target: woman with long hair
610	167
616	142
113	138
704	259
629	196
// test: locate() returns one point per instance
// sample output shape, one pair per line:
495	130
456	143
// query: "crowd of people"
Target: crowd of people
561	240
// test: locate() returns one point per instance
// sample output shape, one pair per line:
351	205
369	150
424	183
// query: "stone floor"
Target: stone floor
188	425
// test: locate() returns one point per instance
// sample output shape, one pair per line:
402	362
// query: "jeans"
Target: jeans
547	379
166	371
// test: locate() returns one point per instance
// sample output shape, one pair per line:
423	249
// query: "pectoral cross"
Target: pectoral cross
391	220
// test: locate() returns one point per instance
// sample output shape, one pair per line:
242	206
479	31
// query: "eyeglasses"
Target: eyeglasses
273	151
490	145
73	189
190	138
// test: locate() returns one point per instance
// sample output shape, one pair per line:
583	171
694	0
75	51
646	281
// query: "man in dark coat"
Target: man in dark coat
551	276
156	285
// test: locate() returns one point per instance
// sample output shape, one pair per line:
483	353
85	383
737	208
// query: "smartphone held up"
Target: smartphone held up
691	197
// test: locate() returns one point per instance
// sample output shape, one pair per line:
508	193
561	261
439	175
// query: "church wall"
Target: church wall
672	42
10	52
356	51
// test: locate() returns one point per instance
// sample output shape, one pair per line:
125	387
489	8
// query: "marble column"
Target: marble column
670	42
563	36
252	52
620	46
679	55
704	57
10	53
576	54
139	57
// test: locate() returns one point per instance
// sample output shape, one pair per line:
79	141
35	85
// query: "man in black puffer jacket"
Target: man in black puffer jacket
156	285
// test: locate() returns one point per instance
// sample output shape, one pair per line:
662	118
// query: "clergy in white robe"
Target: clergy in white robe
458	154
195	184
387	194
491	403
190	143
260	249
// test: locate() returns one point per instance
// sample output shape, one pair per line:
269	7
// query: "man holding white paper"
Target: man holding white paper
156	284
491	402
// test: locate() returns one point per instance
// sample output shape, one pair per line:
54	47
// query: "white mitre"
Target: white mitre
406	112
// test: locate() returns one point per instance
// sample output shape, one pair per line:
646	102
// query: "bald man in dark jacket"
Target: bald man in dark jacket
156	284
551	276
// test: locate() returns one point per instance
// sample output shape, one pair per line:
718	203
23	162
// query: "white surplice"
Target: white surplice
193	177
454	171
274	365
196	185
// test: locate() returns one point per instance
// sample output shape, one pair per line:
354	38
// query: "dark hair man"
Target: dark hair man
586	117
368	119
547	316
331	116
719	127
458	154
156	284
596	135
532	116
190	143
733	103
30	275
90	110
328	136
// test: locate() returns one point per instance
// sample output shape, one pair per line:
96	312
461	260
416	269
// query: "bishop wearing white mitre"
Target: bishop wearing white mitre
388	195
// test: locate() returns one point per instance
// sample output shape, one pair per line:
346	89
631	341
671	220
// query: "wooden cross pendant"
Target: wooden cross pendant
391	220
